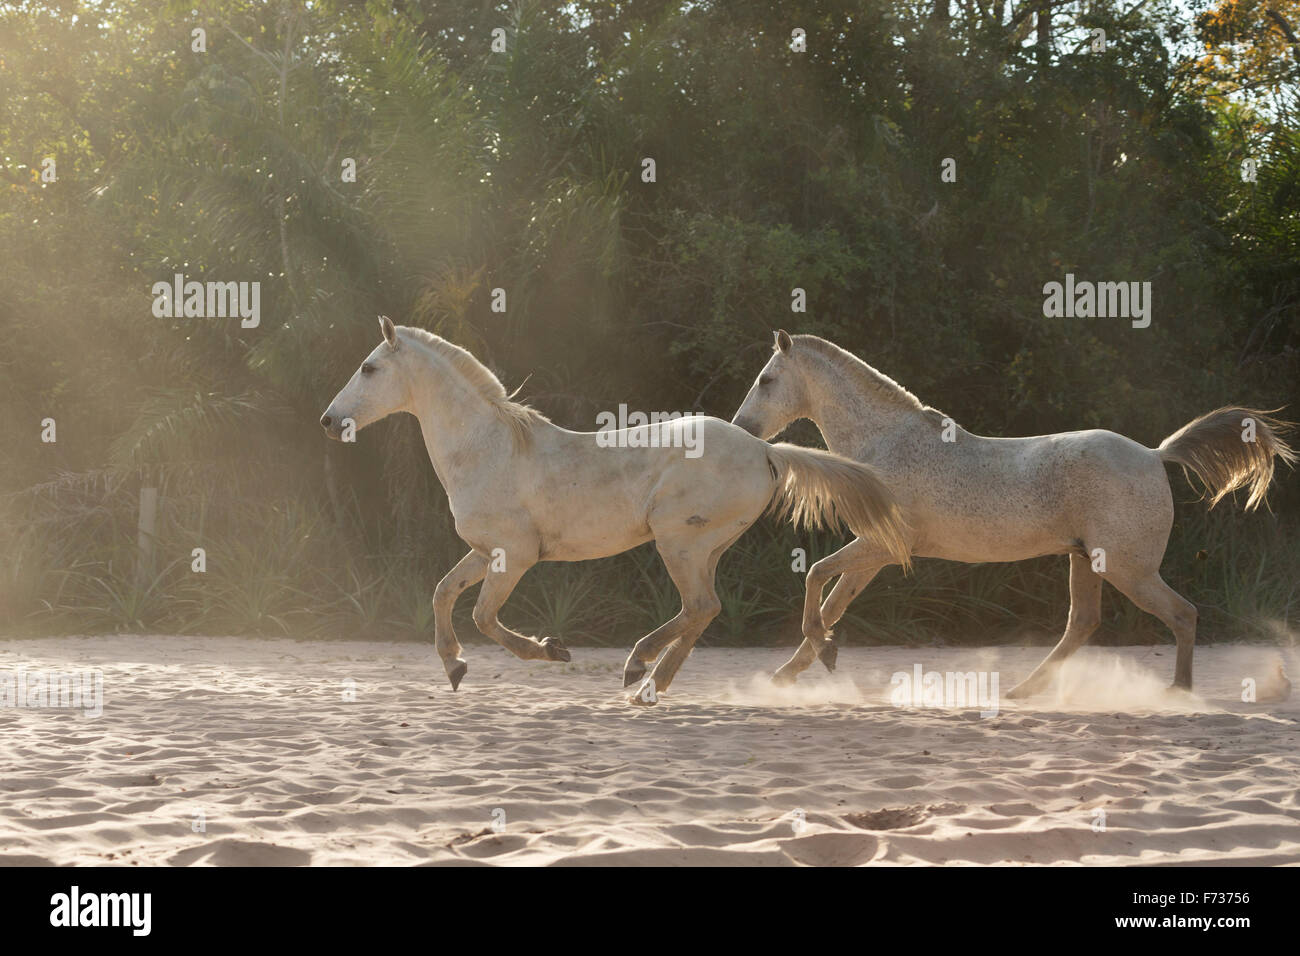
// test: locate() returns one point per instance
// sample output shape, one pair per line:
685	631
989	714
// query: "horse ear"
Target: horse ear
783	340
390	332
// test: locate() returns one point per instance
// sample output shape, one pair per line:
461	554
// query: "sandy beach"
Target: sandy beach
240	751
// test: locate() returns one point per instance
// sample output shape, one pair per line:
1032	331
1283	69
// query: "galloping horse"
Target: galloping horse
1099	497
523	490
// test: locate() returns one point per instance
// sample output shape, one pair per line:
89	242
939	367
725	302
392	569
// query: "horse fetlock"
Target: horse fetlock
784	678
633	670
815	630
1033	684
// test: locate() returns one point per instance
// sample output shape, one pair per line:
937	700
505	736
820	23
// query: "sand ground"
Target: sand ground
241	751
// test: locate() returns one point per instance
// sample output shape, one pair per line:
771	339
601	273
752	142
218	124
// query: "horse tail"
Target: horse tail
818	489
1220	449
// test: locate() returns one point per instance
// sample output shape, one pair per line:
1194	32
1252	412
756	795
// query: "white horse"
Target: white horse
1099	497
523	490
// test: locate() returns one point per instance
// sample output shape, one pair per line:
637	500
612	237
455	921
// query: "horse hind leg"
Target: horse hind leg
673	658
1085	615
680	554
701	607
647	648
690	564
1153	595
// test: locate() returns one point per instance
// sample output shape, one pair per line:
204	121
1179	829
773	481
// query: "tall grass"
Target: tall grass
290	567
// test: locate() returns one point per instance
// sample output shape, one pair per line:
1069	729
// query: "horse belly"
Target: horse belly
1003	532
584	533
991	548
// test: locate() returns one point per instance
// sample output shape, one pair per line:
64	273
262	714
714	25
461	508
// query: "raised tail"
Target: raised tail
1230	448
818	489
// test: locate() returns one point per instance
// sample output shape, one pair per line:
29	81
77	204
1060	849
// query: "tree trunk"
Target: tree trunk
1044	33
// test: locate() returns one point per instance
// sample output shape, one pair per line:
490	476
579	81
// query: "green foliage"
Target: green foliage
775	170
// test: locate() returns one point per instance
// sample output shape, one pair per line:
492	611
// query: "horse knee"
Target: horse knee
443	594
818	577
820	571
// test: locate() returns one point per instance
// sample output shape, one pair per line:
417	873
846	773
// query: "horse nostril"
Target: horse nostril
326	421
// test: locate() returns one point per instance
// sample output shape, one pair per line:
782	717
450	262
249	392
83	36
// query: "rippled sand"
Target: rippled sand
536	763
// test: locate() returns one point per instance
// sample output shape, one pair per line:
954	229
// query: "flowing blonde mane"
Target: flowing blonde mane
520	417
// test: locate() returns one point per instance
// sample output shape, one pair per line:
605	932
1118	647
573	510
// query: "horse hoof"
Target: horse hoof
647	695
633	671
456	674
555	650
1023	689
829	654
783	680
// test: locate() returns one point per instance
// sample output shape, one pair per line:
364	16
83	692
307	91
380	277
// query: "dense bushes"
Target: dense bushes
522	170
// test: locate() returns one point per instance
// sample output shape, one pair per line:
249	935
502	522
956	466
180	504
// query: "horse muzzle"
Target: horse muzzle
333	425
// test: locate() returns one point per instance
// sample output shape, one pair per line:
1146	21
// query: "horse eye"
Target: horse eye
367	369
765	380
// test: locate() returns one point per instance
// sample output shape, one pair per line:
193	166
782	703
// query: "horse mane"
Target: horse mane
520	417
852	367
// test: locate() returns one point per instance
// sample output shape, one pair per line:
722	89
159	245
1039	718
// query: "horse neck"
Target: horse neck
853	413
458	424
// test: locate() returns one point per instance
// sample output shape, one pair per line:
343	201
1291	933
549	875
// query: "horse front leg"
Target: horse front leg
855	564
497	585
848	587
467	572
